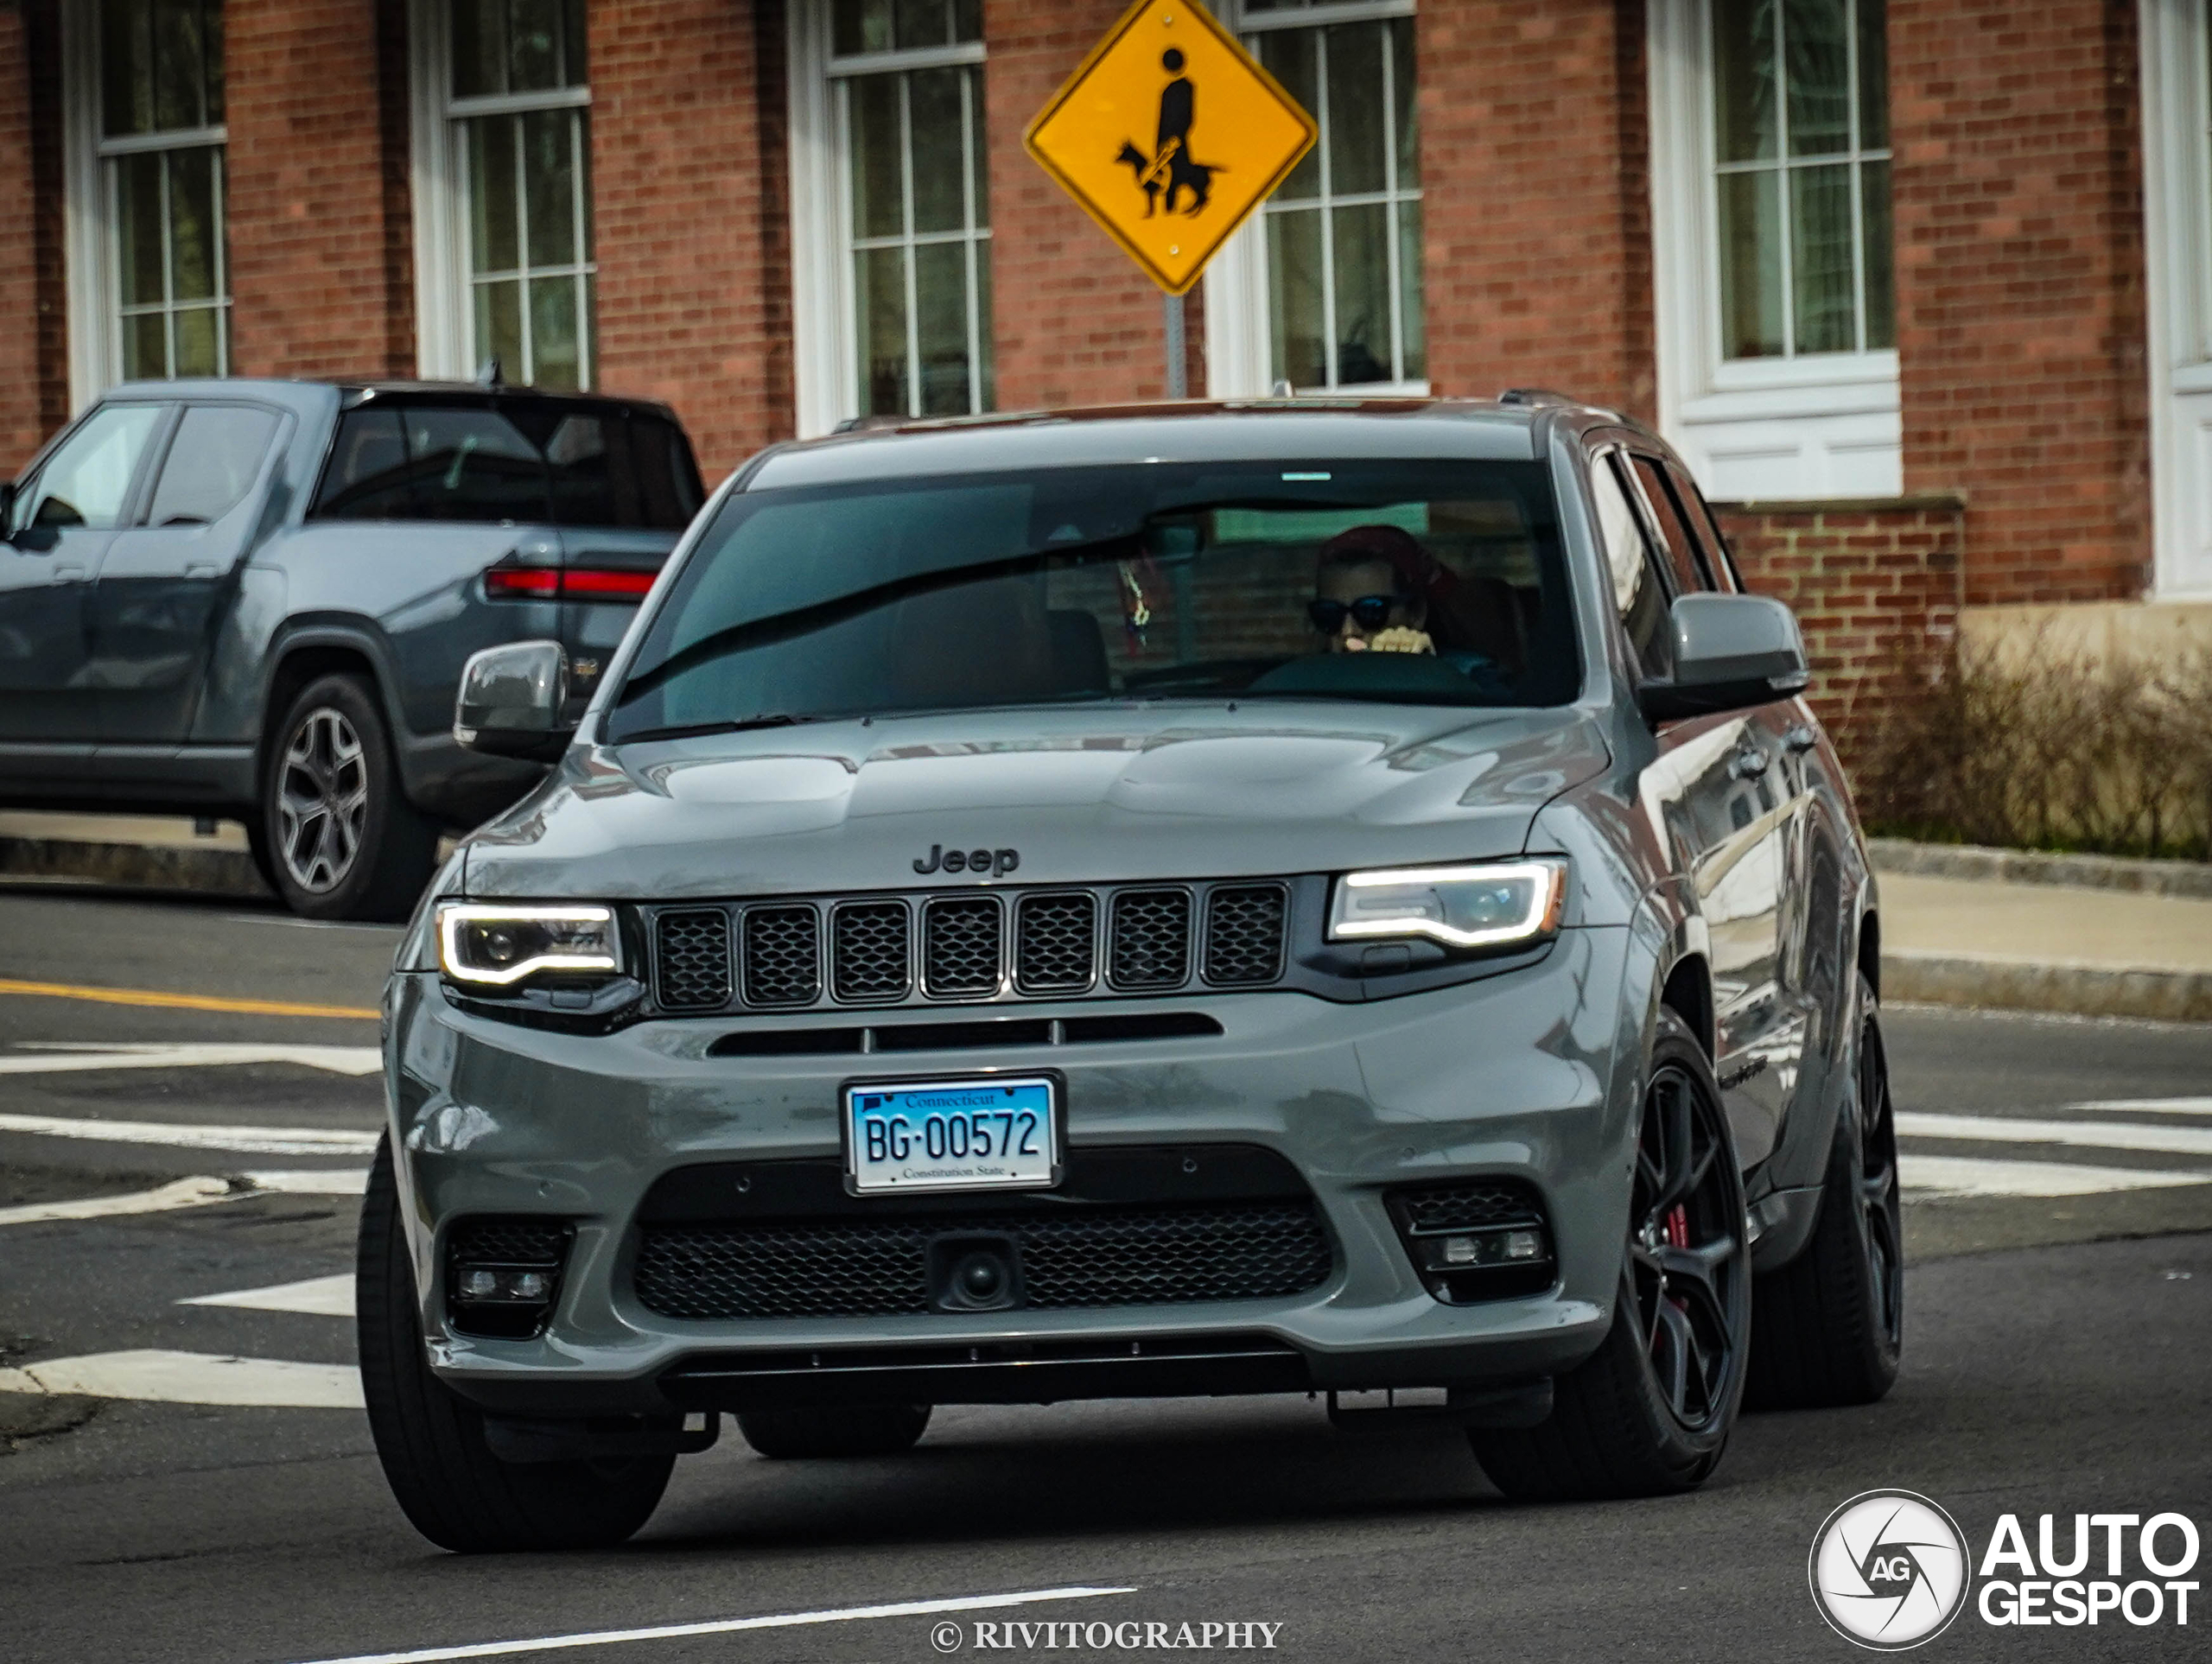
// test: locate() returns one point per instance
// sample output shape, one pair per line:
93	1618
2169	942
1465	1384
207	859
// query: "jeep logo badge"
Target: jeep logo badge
995	862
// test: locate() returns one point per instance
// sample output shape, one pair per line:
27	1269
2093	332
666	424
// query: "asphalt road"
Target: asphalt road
2059	1361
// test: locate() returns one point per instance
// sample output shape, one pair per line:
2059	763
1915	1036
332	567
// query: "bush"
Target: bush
2018	746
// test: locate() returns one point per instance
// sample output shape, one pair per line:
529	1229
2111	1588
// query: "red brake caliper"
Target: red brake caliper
1678	1227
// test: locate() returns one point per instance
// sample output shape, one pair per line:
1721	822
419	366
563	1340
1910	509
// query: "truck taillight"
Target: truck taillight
566	583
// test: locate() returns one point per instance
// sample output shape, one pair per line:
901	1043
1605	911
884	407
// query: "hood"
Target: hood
1083	795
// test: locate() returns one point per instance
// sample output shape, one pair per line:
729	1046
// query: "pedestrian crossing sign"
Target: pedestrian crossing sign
1169	135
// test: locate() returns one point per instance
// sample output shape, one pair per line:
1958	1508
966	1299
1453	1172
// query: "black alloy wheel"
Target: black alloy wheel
1687	1260
1650	1411
1831	1322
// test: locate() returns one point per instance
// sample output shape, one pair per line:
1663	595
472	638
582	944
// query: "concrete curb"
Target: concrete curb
205	872
1938	979
1975	862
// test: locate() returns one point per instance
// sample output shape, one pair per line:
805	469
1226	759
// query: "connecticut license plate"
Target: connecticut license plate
993	1133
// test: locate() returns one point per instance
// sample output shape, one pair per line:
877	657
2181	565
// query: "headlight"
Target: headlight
1488	906
493	946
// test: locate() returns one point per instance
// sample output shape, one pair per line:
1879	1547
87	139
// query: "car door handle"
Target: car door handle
1802	738
70	573
1748	764
202	569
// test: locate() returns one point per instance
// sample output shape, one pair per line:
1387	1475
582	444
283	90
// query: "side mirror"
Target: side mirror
511	700
1730	652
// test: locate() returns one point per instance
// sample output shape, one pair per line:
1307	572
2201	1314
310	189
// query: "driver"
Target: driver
1371	592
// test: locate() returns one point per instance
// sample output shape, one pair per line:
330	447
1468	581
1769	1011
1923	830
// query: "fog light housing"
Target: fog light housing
1478	1239
503	1274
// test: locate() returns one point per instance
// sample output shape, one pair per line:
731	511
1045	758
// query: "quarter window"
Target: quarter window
906	93
1342	244
1638	592
1802	177
1674	535
160	148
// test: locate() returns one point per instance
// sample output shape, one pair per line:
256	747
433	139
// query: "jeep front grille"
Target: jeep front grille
962	946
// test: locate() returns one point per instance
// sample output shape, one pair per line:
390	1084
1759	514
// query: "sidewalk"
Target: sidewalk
2082	934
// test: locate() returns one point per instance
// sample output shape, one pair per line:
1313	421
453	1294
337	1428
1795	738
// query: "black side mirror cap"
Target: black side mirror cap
511	702
1730	652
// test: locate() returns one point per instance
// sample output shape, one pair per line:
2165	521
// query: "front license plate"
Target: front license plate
991	1133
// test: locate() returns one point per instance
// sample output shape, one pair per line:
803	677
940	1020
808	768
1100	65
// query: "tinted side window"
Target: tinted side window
1681	548
669	492
427	462
212	464
617	469
1637	591
87	481
1695	510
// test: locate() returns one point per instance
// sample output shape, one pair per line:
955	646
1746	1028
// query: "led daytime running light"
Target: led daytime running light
1547	882
455	916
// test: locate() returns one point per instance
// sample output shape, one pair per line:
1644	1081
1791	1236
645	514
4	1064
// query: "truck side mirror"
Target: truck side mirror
511	701
1730	652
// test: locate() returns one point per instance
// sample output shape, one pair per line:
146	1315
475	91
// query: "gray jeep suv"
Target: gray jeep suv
1204	899
254	598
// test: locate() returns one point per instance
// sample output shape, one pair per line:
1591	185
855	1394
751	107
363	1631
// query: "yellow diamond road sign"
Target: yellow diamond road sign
1169	136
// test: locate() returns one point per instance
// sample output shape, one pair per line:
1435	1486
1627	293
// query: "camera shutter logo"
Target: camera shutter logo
1889	1569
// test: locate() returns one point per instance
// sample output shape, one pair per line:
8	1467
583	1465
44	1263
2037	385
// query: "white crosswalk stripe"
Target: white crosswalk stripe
2054	1170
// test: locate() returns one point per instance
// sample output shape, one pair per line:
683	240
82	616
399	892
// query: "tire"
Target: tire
343	841
1649	1412
856	1430
1831	1322
431	1441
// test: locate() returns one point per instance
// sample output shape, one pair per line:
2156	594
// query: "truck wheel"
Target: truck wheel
344	842
856	1430
1650	1412
431	1440
1831	1322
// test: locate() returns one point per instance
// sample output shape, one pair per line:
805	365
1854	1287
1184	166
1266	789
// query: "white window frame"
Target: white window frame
2176	44
1240	347
445	302
92	276
825	348
1826	425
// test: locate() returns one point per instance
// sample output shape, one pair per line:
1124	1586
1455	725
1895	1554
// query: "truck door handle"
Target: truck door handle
1748	764
66	574
1802	737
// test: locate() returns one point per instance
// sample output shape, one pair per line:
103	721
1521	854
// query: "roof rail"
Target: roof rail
1536	396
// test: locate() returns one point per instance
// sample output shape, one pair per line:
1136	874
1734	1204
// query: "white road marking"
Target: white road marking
1973	1176
55	1057
732	1626
319	1297
165	1377
2151	1106
181	1193
2095	1134
314	1181
255	1141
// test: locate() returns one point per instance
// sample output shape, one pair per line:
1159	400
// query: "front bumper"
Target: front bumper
1512	1075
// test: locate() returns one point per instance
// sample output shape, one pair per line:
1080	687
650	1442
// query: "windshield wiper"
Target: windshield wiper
729	725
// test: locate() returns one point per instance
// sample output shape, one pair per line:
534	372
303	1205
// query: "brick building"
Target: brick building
1924	289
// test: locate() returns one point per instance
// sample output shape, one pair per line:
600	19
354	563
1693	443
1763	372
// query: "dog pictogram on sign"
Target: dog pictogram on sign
1170	134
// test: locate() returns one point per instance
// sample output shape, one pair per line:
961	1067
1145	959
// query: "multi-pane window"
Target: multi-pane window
1344	232
908	84
161	167
1801	149
519	103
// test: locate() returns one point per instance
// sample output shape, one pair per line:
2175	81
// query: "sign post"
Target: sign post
1170	134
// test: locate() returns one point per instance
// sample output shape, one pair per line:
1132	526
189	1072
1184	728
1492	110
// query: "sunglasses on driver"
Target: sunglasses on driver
1369	613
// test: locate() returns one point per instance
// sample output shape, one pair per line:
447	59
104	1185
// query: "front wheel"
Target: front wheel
1831	1322
1650	1412
431	1441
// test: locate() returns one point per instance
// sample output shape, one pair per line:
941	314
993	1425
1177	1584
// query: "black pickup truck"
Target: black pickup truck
253	598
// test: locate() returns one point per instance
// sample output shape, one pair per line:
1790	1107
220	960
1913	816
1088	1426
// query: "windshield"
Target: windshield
1426	582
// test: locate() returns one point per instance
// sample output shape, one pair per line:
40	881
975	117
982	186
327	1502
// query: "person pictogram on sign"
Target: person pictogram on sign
1170	164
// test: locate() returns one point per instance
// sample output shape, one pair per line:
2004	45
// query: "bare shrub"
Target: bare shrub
2035	749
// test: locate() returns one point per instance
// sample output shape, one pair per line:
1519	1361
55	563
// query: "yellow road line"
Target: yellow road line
184	1001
